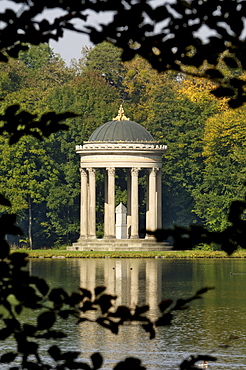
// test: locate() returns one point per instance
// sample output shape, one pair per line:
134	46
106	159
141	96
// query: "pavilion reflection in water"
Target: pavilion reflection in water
134	282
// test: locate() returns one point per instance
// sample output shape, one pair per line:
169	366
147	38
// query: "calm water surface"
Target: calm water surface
204	328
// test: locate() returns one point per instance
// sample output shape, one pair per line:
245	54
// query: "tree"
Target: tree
27	173
224	171
93	100
106	61
28	168
178	44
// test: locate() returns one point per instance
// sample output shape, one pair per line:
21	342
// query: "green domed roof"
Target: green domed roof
121	129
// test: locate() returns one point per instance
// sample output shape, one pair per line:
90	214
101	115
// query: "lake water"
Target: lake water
203	329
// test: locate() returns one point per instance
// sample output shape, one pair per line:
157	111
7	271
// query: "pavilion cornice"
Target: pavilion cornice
96	146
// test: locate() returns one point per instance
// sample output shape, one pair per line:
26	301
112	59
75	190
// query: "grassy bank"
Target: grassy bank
53	253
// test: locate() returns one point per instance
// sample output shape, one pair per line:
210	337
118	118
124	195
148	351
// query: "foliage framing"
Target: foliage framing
176	45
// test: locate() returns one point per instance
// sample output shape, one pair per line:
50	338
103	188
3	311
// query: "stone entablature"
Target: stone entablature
120	155
102	146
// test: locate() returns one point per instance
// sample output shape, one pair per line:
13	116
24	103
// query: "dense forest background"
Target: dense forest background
203	168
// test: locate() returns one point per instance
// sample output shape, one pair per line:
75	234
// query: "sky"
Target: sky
70	45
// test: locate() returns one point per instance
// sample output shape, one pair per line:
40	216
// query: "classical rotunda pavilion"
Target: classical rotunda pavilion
120	144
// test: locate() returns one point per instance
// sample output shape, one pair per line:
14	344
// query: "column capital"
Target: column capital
92	171
111	170
135	170
83	172
153	171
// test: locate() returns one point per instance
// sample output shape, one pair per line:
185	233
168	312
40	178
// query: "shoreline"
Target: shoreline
60	254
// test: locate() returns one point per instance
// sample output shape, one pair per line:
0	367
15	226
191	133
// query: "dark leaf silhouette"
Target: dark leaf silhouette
55	352
231	62
99	290
5	333
97	360
132	29
149	328
133	24
4	201
46	320
141	309
130	363
163	305
8	357
41	285
105	302
223	91
86	293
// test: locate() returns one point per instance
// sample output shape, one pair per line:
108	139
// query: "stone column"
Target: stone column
106	204
152	217
111	202
92	203
134	203
159	198
147	202
129	204
84	204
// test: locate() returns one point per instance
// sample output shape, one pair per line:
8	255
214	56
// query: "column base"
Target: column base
86	237
82	237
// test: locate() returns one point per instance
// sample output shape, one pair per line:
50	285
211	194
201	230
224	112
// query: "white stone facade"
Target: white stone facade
110	156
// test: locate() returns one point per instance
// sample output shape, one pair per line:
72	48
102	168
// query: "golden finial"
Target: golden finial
121	116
